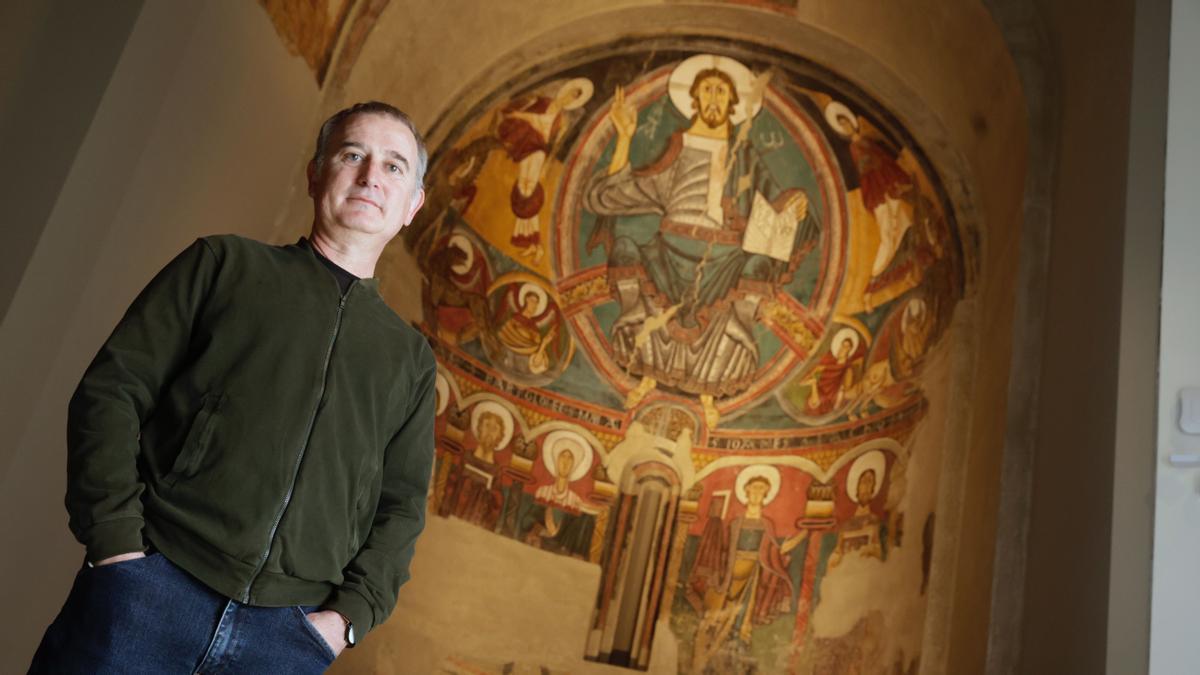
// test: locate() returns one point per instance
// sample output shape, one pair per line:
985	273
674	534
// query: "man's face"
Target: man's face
568	95
866	487
491	430
565	462
844	348
712	101
368	182
756	492
845	124
529	303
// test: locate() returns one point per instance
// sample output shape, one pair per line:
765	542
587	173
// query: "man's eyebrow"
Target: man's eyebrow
391	153
398	156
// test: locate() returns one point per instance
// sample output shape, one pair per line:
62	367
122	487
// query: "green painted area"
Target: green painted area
606	314
781	155
804	279
768	342
766	415
581	381
597	256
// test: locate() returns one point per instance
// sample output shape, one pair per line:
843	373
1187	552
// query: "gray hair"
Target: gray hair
370	108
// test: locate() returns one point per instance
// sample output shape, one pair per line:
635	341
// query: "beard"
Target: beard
714	116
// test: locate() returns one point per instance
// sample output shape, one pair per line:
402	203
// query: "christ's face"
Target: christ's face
712	102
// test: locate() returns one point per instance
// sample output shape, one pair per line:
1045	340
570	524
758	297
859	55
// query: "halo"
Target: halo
843	334
679	86
530	287
758	471
498	410
872	460
564	440
463	244
834	110
586	88
442	387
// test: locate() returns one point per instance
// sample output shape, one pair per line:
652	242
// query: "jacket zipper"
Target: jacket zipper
312	421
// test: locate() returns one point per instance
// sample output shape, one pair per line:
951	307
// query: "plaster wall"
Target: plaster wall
187	140
56	59
1134	465
1067	572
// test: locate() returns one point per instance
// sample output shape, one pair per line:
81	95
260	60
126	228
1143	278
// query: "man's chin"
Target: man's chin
362	224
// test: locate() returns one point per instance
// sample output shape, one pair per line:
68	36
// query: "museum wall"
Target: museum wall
1067	568
186	140
77	49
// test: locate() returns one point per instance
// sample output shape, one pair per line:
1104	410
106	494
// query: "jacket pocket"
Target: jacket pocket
195	445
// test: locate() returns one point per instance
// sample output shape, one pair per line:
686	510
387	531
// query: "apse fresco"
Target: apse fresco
309	29
683	294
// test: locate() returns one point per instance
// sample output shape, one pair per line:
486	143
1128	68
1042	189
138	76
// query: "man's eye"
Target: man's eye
393	168
353	156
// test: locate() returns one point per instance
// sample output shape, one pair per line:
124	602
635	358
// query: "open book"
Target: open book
769	232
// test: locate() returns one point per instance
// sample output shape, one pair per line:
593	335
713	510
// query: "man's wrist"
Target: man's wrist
348	626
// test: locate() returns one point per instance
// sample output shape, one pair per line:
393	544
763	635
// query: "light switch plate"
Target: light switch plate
1189	410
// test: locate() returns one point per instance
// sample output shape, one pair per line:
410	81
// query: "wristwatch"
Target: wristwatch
350	640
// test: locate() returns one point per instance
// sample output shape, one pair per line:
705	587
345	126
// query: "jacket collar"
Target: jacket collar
367	282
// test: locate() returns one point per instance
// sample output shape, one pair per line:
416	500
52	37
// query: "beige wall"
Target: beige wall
1133	476
196	133
1067	573
76	47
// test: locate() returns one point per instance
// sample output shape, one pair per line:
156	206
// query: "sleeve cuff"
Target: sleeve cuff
114	537
351	604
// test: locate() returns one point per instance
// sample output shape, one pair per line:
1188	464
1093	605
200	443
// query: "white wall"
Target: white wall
198	132
1175	604
1128	642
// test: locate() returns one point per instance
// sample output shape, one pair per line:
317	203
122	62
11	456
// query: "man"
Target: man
249	452
689	294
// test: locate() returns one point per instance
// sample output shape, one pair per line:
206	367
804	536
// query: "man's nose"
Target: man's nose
368	174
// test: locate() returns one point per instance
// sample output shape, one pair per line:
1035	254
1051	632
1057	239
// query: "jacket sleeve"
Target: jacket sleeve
373	577
117	394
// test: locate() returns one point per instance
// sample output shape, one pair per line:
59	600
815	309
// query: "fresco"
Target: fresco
683	294
310	28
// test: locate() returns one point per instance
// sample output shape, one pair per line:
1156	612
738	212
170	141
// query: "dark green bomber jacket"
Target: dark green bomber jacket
265	433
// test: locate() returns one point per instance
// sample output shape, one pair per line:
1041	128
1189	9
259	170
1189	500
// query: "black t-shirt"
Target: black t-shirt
343	277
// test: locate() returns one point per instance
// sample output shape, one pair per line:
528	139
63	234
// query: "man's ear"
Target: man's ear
311	172
418	201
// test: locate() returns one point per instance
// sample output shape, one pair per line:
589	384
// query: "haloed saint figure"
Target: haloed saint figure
728	231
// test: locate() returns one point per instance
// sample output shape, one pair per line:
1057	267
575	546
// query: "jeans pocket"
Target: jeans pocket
313	633
131	564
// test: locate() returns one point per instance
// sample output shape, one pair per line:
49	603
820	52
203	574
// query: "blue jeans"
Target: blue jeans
148	616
